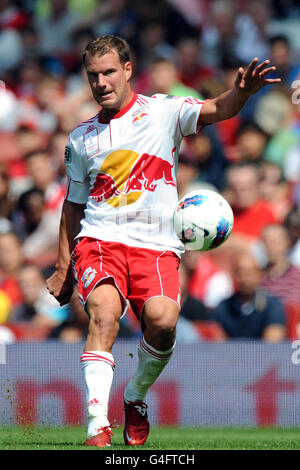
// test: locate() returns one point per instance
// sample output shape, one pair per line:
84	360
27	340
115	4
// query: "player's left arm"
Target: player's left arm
248	82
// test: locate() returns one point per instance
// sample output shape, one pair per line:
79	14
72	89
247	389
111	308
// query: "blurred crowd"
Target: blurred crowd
247	288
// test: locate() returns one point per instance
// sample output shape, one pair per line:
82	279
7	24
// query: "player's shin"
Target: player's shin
98	367
150	365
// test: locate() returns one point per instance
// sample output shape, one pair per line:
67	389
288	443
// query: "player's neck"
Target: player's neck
109	113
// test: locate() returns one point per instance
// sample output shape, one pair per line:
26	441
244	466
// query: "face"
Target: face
40	170
109	80
244	185
162	77
246	273
280	54
31	283
276	242
10	253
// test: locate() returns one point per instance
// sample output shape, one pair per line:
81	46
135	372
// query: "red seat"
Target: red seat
292	315
210	331
28	331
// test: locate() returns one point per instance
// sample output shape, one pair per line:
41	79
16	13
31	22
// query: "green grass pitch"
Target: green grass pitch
163	438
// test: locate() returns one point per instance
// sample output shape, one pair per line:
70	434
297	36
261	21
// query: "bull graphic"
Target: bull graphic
147	171
104	188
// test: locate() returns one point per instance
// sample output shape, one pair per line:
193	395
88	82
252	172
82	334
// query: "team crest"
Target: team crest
88	276
139	117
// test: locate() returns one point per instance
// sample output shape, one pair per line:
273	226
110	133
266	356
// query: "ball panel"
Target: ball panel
203	220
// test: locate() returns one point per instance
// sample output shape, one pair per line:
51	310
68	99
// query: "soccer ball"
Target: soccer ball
203	220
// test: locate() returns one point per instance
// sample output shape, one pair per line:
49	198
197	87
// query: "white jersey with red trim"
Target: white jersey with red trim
124	170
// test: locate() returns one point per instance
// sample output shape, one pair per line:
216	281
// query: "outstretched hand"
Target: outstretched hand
252	79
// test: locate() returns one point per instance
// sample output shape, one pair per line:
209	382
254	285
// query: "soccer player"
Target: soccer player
116	235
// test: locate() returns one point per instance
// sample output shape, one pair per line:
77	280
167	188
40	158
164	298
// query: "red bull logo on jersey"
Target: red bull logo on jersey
139	117
146	172
104	188
125	175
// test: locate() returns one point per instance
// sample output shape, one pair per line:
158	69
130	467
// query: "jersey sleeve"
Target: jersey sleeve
184	113
78	185
188	116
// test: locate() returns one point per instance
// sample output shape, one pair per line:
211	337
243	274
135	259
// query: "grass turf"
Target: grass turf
163	438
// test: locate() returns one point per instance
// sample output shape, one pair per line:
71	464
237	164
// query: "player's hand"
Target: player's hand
60	285
253	78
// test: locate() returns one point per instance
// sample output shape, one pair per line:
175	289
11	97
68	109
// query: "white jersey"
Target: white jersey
124	170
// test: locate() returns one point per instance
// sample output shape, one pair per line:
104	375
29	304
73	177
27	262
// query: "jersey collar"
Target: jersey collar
120	113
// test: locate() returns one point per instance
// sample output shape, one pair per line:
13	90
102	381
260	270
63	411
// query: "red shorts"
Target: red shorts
138	273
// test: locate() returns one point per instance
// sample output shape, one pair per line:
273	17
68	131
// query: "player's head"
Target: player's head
109	69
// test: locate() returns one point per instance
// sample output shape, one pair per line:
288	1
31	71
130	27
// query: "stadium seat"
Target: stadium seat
292	313
28	331
209	331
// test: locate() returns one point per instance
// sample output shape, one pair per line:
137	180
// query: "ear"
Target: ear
128	70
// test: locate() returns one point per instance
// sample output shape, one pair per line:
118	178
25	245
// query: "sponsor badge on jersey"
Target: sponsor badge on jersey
88	276
91	142
139	117
68	156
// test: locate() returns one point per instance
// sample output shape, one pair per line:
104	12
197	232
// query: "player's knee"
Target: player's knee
103	324
104	317
164	327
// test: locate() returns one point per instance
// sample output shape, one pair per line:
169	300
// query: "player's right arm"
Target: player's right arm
60	284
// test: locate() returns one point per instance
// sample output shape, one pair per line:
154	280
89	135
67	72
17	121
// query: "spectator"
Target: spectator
40	246
187	173
161	11
292	224
38	306
274	189
191	308
30	73
29	213
210	279
250	313
153	44
55	28
281	277
207	151
251	212
250	142
254	28
219	32
11	48
11	260
164	78
56	151
287	66
42	173
6	202
193	73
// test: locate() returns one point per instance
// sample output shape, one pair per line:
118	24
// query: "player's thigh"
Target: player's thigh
160	313
105	303
154	283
